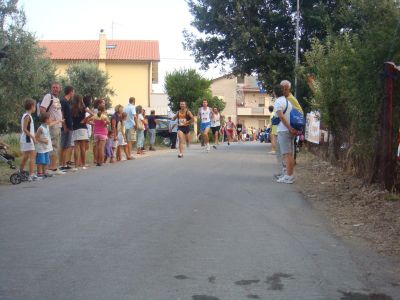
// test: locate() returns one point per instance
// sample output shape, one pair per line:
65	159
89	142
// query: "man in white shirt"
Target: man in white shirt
130	110
282	108
52	105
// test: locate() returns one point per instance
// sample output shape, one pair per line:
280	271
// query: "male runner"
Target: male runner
215	126
204	114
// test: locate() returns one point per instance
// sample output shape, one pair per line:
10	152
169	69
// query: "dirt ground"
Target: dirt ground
356	212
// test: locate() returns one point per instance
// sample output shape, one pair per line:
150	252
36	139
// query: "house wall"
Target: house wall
225	88
126	78
254	121
129	80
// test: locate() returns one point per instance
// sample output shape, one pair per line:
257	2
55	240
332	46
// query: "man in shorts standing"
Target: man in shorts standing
66	129
205	122
282	108
130	110
52	105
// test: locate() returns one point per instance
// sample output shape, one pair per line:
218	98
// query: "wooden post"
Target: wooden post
387	158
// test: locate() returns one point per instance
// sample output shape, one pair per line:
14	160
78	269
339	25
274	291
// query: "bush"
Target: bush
348	87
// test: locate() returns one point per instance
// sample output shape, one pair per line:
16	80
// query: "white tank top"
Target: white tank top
205	115
24	138
44	148
216	121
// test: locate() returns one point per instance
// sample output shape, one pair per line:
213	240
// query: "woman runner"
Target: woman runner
185	119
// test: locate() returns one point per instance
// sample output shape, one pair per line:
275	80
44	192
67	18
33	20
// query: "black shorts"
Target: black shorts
239	131
215	129
184	129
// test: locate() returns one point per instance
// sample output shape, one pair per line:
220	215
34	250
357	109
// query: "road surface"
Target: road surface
206	227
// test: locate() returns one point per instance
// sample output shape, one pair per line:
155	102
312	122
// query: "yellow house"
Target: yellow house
132	65
243	100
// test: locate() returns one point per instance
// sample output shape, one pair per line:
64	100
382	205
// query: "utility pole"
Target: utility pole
297	43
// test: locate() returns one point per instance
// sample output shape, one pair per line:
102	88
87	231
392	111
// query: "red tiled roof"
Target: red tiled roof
89	50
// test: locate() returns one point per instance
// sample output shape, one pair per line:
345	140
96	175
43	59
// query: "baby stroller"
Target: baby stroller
17	177
7	158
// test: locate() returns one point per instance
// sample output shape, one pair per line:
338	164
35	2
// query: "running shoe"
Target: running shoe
74	169
84	168
277	176
34	178
57	172
215	147
180	155
286	179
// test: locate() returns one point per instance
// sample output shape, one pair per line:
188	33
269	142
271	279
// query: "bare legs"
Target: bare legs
28	155
80	153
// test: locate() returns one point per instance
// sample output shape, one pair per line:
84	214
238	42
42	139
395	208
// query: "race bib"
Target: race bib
182	122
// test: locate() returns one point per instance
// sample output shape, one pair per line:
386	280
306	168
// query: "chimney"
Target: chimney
102	45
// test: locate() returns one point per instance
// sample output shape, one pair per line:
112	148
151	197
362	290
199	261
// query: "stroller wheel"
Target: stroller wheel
15	178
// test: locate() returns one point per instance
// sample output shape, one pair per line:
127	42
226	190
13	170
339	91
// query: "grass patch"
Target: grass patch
391	197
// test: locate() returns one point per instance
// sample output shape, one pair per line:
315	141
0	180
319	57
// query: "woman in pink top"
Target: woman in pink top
100	131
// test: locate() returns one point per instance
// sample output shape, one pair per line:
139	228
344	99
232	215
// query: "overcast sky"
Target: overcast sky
161	20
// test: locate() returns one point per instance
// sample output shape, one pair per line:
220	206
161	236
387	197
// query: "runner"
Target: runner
239	131
185	118
229	130
204	114
216	126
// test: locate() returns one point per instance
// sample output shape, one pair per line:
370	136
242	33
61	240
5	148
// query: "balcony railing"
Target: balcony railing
253	111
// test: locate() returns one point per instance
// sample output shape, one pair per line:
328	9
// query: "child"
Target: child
100	122
140	126
108	148
43	145
122	144
27	139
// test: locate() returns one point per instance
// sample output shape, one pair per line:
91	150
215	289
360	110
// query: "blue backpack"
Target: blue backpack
297	120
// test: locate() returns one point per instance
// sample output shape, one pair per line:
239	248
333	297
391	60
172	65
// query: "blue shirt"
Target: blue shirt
130	110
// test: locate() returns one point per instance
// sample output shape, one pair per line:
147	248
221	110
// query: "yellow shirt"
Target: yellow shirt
294	102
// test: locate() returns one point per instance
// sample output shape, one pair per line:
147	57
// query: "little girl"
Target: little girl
27	139
108	148
100	122
122	144
43	145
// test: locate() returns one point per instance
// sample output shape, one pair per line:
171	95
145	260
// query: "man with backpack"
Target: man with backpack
52	105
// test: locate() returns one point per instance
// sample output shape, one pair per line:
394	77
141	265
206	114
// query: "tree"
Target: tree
348	85
25	71
258	36
88	80
191	87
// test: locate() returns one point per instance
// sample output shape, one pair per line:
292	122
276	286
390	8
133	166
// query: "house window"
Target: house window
261	101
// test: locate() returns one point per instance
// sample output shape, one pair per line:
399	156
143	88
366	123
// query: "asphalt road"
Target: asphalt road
205	227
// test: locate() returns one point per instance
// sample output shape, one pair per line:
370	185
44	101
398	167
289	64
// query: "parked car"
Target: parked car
162	129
